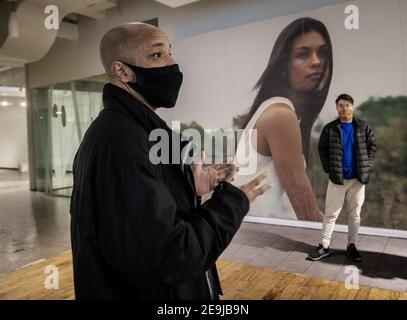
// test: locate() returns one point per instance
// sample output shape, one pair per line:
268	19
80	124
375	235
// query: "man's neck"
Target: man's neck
133	93
346	121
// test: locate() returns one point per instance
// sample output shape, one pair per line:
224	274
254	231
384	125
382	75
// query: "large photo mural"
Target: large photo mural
281	77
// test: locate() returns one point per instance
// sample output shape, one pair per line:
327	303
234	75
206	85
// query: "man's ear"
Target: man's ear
122	72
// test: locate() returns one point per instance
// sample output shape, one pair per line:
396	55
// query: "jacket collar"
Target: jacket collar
355	122
118	99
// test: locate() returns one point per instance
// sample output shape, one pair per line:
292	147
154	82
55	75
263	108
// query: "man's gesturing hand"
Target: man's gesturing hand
208	177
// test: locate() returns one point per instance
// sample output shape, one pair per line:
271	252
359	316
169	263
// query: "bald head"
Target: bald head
127	43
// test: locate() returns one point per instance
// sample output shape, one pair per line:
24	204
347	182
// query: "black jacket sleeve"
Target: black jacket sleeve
154	242
323	149
371	145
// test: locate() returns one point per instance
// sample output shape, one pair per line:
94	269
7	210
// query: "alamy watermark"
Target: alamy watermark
352	18
220	146
352	280
51	21
51	281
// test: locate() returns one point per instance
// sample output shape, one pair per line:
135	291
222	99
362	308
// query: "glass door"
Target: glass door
63	114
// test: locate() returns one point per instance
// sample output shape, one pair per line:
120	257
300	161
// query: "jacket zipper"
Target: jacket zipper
208	280
183	161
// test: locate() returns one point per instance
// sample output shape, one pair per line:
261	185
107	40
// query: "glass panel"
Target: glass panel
42	137
63	113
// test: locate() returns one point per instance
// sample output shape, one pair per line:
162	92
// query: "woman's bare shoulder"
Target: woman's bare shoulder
276	113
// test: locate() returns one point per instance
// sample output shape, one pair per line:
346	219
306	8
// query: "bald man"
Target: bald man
138	227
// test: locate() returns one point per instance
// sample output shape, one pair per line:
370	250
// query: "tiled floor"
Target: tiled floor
286	249
34	226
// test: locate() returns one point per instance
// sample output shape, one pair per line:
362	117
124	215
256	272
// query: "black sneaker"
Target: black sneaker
319	253
353	253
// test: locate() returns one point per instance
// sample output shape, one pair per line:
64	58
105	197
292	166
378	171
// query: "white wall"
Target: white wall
13	134
70	60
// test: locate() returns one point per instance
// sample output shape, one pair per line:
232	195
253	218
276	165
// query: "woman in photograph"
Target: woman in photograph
291	93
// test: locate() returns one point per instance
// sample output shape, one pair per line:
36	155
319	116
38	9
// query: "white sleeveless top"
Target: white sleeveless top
274	203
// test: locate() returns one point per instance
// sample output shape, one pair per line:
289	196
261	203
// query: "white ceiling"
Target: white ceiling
30	40
33	40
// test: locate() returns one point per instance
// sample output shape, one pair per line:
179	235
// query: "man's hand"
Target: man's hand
208	177
252	189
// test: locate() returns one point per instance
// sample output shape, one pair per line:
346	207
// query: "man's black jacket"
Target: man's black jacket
137	229
331	154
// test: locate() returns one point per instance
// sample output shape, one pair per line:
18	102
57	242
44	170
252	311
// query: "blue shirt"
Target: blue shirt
348	150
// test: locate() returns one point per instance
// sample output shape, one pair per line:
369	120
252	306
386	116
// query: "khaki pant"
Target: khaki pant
351	194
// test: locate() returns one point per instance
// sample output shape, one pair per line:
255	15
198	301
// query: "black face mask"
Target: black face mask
160	86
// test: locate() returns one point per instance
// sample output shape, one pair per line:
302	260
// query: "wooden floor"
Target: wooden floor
239	281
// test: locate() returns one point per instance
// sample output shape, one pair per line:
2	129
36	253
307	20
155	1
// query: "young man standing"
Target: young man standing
347	148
